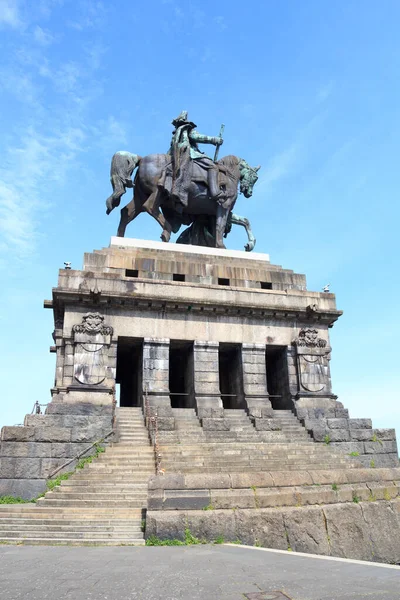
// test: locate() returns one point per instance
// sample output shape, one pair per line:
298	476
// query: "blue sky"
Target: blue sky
309	90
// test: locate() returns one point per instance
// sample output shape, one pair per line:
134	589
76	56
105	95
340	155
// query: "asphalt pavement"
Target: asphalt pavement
219	572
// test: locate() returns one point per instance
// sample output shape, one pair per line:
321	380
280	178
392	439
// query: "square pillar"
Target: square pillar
206	380
255	380
156	375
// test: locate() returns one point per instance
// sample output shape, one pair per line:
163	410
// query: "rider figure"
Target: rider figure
183	150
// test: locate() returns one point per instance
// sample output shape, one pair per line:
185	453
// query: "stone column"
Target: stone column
156	379
255	381
206	380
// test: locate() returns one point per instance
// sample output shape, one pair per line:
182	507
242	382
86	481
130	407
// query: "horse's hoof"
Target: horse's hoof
165	237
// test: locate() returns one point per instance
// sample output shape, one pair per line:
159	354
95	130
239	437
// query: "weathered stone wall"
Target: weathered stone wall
329	423
364	531
352	513
29	454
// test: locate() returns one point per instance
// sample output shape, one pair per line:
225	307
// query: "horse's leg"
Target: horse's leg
152	207
128	213
222	215
237	220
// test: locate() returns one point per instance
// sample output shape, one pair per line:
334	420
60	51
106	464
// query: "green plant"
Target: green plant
289	549
335	487
208	507
190	539
327	439
372	464
13	500
386	494
219	540
356	498
257	543
354	454
153	540
143	525
256	502
236	542
374	438
371	497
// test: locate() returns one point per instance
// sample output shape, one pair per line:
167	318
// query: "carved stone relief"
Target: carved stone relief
91	340
313	357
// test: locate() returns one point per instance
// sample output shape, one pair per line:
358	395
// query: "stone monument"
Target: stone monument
225	358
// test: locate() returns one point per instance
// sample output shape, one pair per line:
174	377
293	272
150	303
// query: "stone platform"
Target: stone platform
227	355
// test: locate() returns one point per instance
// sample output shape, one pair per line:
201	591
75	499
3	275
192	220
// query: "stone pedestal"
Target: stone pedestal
206	380
255	381
156	379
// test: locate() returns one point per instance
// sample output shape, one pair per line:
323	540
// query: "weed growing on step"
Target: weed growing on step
354	454
371	497
208	507
335	487
327	439
372	464
374	438
356	499
13	500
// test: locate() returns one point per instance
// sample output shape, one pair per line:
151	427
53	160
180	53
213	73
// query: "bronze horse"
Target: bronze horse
148	197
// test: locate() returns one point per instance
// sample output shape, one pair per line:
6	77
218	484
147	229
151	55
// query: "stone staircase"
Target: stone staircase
190	449
103	503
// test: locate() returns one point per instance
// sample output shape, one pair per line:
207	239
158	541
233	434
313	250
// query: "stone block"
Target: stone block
79	408
312	424
17	434
264	527
342	413
338	423
52	434
383	522
166	423
208	376
319	434
51	464
233	498
302	413
348	447
24	449
360	423
291	478
84	434
267	425
215	425
24	488
210	412
207	481
267	412
186	499
20	468
382	460
361	435
348	532
34	420
261	479
174	481
338	476
380	447
64	450
339	435
385	434
306	530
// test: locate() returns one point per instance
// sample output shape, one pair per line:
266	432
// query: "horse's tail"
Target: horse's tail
122	166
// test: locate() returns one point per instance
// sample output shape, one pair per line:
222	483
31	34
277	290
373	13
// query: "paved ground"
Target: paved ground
175	573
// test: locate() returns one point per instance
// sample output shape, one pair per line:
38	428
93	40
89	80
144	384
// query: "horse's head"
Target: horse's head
248	177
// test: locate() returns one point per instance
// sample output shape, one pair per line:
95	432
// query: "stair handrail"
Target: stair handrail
152	426
71	460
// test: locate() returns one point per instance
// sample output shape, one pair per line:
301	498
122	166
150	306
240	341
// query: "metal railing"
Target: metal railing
151	420
78	456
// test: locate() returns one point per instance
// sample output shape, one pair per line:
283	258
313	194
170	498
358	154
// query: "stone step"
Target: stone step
48	541
97	496
70	523
90	532
91	503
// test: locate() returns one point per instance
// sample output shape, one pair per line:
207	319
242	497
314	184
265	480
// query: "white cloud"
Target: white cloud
10	13
43	37
325	91
280	166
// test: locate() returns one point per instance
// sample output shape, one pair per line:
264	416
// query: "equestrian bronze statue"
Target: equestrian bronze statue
184	187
